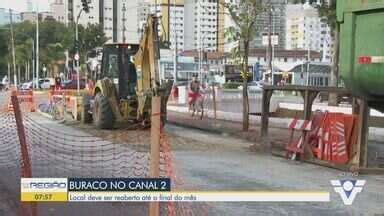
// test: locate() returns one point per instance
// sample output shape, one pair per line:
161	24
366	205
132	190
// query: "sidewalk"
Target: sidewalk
231	123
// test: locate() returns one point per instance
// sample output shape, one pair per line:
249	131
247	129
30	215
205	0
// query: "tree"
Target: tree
328	10
4	41
90	37
55	38
244	14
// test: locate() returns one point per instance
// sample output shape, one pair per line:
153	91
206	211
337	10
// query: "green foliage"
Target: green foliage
54	39
90	37
329	11
244	15
232	85
4	52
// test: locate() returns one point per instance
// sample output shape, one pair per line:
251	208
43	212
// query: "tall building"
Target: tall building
131	14
172	23
58	9
208	25
192	24
306	30
86	18
5	16
31	16
29	6
272	20
121	20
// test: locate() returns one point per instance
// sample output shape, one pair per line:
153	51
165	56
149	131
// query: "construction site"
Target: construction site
274	142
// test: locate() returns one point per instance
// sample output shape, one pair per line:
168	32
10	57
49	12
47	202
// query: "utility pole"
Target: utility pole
175	41
13	49
37	48
26	71
66	51
169	19
33	62
200	44
270	45
308	61
77	56
9	73
18	74
124	10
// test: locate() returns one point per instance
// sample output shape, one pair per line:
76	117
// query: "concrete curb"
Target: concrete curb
375	134
46	115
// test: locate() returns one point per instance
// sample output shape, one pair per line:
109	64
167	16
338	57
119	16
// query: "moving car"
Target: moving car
27	86
46	83
253	86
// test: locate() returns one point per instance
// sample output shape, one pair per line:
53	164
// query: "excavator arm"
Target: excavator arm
147	68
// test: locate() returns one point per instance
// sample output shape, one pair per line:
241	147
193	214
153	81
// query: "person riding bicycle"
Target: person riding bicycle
194	90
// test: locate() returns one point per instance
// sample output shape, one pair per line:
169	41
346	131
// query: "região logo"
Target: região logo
348	189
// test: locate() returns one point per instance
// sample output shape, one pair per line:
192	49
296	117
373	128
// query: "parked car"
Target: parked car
341	98
72	84
46	83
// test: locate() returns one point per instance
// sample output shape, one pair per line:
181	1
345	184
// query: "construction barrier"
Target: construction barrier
67	100
25	98
296	145
31	146
330	137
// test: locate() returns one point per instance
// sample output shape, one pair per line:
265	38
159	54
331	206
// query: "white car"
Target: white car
46	83
27	86
253	86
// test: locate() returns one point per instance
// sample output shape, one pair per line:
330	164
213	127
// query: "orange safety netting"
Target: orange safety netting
56	150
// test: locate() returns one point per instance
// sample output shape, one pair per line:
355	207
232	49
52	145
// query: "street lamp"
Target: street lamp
77	55
201	55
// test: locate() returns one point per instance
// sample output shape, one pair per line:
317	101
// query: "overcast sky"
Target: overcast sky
21	5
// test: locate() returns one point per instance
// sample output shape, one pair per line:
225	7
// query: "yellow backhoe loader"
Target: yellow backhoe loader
127	80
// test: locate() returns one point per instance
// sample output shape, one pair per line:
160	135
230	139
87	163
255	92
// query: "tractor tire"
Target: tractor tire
103	117
86	117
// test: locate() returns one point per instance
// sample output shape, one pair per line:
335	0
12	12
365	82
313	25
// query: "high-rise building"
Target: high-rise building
272	20
172	23
5	15
208	25
86	18
193	24
121	20
31	16
306	30
58	9
29	6
130	17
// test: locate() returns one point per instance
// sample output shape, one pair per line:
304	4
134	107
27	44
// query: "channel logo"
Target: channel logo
348	189
44	184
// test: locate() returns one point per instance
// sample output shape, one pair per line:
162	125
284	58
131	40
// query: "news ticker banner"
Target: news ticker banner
145	190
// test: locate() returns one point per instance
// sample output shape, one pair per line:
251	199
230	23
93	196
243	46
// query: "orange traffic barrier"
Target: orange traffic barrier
25	98
296	146
334	137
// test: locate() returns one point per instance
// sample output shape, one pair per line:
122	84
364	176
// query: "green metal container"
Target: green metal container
362	48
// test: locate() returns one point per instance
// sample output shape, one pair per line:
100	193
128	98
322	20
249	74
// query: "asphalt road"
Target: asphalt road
232	101
204	161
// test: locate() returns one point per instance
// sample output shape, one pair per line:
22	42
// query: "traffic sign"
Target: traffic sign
77	57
